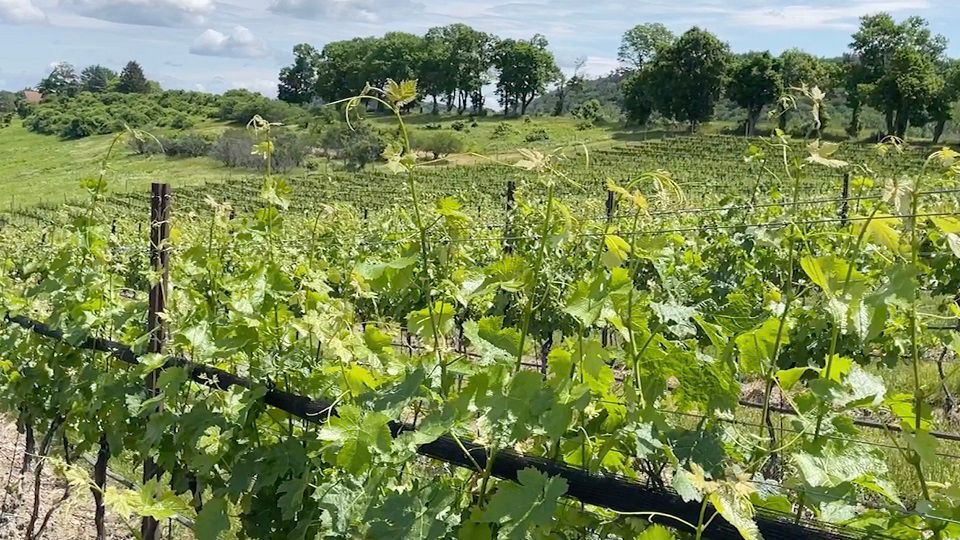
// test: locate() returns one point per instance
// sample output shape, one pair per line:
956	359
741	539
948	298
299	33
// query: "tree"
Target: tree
941	107
525	68
641	44
686	79
438	75
754	82
456	65
343	70
8	102
62	80
565	85
799	68
298	82
879	44
396	56
132	80
638	97
96	79
909	84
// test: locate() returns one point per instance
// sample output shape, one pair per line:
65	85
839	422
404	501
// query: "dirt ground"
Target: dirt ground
72	519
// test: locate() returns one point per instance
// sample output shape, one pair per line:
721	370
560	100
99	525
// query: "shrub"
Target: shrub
433	126
187	144
538	134
438	144
358	145
589	111
504	129
233	150
458	125
182	121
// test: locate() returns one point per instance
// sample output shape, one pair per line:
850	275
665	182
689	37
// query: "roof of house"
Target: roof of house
32	96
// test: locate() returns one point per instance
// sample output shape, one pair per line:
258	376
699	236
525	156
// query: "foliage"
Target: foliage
132	80
538	134
298	82
525	68
62	81
90	114
358	144
588	111
438	143
311	300
97	79
233	149
643	43
754	82
686	79
897	66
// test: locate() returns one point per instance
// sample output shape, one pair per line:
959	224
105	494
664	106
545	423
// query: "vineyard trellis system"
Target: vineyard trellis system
607	491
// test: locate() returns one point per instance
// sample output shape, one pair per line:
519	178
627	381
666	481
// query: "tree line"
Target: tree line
453	65
898	68
64	80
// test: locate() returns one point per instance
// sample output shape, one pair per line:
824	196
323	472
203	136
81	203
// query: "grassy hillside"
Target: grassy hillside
36	168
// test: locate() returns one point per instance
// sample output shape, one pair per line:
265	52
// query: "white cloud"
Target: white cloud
819	16
240	43
148	12
267	87
357	10
21	12
598	66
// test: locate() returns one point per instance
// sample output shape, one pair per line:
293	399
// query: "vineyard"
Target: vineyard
692	337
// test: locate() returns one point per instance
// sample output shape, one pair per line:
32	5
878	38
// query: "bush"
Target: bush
538	134
187	144
88	114
504	129
358	145
182	121
233	149
458	125
589	111
438	144
433	126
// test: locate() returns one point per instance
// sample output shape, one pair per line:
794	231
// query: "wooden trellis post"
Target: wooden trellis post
509	205
156	327
844	200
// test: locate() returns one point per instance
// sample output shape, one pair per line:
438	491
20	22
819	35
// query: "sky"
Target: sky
216	45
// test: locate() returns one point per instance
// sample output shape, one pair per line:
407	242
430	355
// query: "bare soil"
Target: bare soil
71	520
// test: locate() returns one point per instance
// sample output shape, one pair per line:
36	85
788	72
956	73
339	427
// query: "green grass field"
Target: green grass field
41	168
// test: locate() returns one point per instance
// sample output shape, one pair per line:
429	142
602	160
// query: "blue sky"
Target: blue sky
216	45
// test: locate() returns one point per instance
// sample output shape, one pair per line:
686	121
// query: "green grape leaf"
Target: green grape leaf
419	322
880	231
212	520
787	378
757	346
492	341
736	508
678	318
526	506
354	437
291	496
400	94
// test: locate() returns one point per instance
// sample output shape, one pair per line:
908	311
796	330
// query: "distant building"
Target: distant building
32	96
